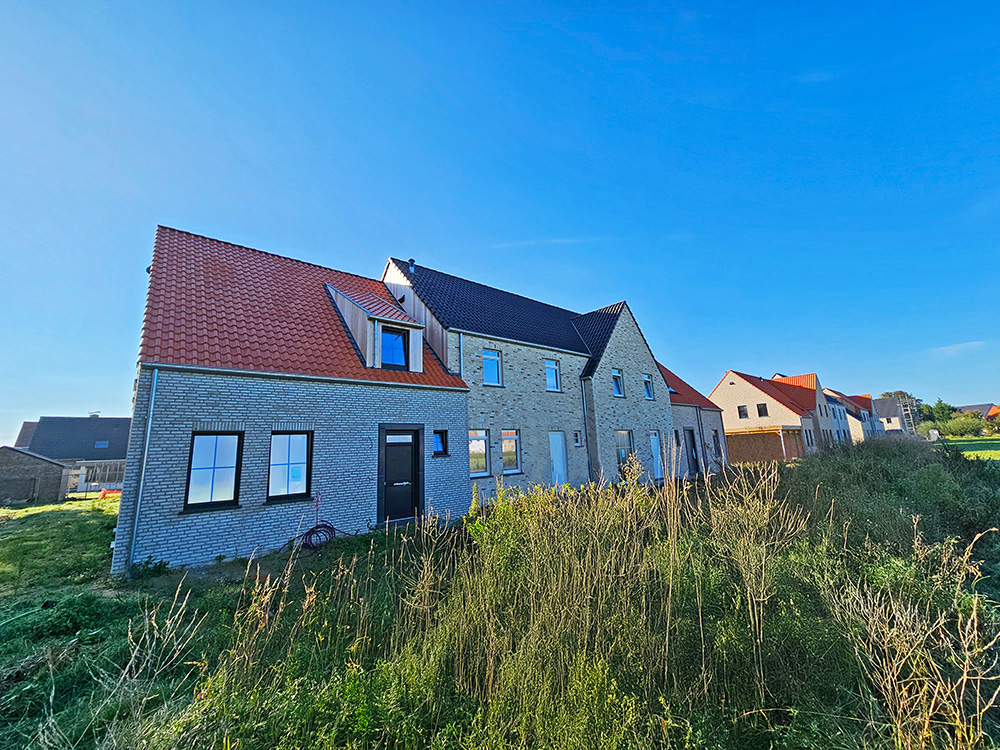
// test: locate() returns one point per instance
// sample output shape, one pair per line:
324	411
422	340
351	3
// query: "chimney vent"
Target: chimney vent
413	265
95	414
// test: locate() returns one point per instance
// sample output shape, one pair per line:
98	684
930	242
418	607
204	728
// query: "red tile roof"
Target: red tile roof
796	398
804	381
686	395
864	401
214	304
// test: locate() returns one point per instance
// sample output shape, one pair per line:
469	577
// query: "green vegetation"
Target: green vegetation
834	603
978	447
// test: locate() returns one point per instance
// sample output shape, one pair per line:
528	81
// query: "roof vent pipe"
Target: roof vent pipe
95	414
413	265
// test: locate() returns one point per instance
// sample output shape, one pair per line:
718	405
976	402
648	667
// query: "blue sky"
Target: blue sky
771	187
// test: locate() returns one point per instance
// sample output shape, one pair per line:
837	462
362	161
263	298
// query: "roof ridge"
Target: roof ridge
265	252
406	264
607	308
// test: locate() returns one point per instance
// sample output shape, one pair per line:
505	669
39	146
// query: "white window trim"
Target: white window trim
517	450
558	388
647	387
620	376
486	439
499	361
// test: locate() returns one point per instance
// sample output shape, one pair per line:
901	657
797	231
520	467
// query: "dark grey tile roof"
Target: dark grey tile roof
76	438
887	407
477	308
983	409
24	436
595	329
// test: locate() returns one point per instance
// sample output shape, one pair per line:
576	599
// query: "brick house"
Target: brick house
27	476
92	448
863	423
699	438
271	393
779	418
555	396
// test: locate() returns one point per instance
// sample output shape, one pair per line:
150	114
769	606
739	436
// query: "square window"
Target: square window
394	349
213	472
647	384
761	410
289	472
511	449
479	453
552	380
617	383
440	442
742	411
492	367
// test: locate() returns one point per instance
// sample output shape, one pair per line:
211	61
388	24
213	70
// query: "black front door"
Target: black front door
694	466
401	496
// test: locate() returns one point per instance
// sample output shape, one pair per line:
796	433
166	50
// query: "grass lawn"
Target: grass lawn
977	447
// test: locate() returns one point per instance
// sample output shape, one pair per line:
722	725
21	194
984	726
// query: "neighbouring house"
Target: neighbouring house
890	414
272	393
986	411
92	448
837	405
863	422
27	476
699	439
773	419
555	396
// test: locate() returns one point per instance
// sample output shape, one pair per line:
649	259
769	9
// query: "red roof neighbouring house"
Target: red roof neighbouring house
798	399
214	304
864	401
685	395
809	380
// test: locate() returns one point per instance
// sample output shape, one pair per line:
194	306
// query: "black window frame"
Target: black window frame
762	410
383	330
444	443
307	495
190	507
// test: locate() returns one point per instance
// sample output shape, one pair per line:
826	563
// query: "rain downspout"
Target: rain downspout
142	468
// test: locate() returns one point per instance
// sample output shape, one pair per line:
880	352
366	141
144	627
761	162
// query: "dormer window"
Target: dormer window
395	345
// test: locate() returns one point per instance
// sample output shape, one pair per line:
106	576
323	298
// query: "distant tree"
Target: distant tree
900	395
926	412
942	412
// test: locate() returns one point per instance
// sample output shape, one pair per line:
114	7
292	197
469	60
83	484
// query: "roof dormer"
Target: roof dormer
386	337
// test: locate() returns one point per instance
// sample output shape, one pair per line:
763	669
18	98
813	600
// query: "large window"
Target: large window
742	411
623	449
617	383
552	381
479	453
492	367
394	349
511	448
289	468
647	386
214	474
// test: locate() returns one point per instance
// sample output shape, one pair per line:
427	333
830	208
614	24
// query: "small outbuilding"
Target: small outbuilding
29	477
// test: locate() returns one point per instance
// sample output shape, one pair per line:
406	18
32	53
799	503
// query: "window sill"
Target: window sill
554	390
480	476
513	473
208	507
440	455
493	385
285	499
618	395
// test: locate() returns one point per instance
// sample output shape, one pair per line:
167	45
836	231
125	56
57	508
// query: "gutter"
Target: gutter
142	469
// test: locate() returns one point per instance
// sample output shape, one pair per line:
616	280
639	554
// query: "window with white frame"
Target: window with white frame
552	379
214	468
289	465
510	446
492	367
617	383
479	453
647	386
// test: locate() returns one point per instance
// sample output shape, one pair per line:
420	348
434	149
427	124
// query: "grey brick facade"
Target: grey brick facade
344	418
522	403
628	352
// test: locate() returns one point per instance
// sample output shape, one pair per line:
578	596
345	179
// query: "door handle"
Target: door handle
400	484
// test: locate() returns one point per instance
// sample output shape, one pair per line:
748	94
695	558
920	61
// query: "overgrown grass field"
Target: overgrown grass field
845	601
978	447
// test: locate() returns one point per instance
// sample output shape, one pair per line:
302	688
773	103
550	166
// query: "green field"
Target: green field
977	447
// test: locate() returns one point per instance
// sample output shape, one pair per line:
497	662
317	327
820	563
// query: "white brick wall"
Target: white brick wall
344	418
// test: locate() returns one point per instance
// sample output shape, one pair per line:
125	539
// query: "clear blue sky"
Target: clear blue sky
791	187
